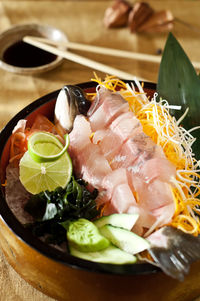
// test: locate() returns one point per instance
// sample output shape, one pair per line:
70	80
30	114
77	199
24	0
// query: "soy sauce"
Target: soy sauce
21	54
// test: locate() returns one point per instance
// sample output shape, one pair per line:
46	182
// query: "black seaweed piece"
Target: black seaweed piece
51	208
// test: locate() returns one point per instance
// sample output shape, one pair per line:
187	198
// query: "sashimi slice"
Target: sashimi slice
90	164
111	106
126	156
145	221
108	142
153	195
114	179
122	198
140	148
157	168
164	214
80	135
124	126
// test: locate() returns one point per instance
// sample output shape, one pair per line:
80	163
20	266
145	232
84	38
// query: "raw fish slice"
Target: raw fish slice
108	142
153	195
145	221
113	179
157	168
80	135
90	164
124	126
42	123
146	218
109	209
140	147
111	106
173	251
99	135
99	99
164	214
128	154
122	198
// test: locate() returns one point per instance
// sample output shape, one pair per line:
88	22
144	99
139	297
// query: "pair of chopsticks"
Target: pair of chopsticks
52	47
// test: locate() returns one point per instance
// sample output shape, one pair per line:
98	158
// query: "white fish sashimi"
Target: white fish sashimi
110	106
80	135
122	162
122	198
124	125
108	143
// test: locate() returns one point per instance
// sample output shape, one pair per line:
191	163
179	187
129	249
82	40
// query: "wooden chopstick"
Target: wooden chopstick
107	51
79	59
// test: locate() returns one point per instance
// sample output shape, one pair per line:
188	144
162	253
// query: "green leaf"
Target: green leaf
178	81
179	84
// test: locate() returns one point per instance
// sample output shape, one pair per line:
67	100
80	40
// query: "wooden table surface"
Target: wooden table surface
82	21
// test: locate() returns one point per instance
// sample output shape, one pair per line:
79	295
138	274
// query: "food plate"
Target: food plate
58	274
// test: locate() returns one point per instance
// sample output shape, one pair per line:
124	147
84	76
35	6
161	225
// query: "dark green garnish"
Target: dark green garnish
50	209
179	84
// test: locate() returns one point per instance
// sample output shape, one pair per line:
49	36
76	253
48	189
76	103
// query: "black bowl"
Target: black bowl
42	265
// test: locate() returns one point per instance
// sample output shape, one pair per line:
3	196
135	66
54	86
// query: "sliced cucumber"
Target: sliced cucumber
123	220
109	255
124	239
85	236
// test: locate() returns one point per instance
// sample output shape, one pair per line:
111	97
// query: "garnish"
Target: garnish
40	176
45	147
179	83
51	208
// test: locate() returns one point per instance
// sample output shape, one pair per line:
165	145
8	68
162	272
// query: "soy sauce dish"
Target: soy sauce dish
64	277
19	57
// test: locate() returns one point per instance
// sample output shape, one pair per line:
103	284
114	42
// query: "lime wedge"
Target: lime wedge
46	165
45	147
37	177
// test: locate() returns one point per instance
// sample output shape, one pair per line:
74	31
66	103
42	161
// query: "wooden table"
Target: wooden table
82	22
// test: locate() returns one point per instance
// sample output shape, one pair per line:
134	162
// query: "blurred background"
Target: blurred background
112	24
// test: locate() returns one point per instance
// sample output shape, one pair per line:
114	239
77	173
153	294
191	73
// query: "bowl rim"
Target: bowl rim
35	243
31	70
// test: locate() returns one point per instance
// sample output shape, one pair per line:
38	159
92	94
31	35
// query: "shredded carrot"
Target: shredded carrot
176	143
4	184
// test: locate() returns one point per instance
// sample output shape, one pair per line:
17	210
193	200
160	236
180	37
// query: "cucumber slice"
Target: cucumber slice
85	236
109	255
124	239
123	220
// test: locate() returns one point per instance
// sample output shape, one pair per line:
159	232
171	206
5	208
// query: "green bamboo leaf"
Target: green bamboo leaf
179	84
178	81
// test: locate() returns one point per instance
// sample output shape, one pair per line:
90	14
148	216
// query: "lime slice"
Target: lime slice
45	147
37	177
